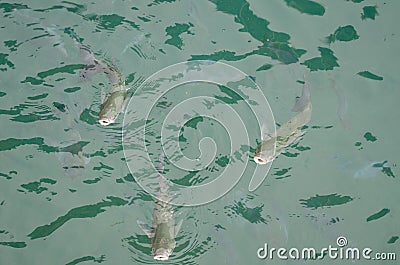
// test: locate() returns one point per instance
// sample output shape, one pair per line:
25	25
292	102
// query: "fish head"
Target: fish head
263	158
163	242
106	120
111	108
162	253
265	152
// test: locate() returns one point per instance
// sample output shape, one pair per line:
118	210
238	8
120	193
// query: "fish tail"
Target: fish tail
92	65
73	35
113	75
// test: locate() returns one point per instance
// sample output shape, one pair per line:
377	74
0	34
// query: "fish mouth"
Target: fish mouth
161	257
162	254
105	121
259	160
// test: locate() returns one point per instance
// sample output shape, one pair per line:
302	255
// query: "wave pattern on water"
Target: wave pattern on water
64	179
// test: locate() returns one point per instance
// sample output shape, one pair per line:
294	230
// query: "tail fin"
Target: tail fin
72	34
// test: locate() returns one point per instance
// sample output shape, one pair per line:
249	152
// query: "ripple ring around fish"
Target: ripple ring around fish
152	90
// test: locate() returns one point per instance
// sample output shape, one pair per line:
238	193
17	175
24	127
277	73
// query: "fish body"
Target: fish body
288	133
73	163
163	231
116	100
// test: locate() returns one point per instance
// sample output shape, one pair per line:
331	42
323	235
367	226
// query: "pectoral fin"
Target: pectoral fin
264	132
178	227
259	176
299	105
146	228
303	101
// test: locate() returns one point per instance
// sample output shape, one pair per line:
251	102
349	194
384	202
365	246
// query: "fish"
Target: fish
117	98
73	160
70	151
288	133
163	231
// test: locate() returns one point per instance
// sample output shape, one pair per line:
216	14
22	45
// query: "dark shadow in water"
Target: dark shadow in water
325	201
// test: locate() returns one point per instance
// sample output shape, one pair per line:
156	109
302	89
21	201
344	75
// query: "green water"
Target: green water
67	195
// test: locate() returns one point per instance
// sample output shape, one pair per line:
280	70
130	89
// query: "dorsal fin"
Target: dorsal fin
146	229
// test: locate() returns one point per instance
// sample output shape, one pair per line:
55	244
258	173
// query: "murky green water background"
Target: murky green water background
67	196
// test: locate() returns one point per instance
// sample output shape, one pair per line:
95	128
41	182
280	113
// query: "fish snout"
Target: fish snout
263	157
105	121
259	160
162	254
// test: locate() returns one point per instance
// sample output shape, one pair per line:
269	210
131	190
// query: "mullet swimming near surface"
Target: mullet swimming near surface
288	133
